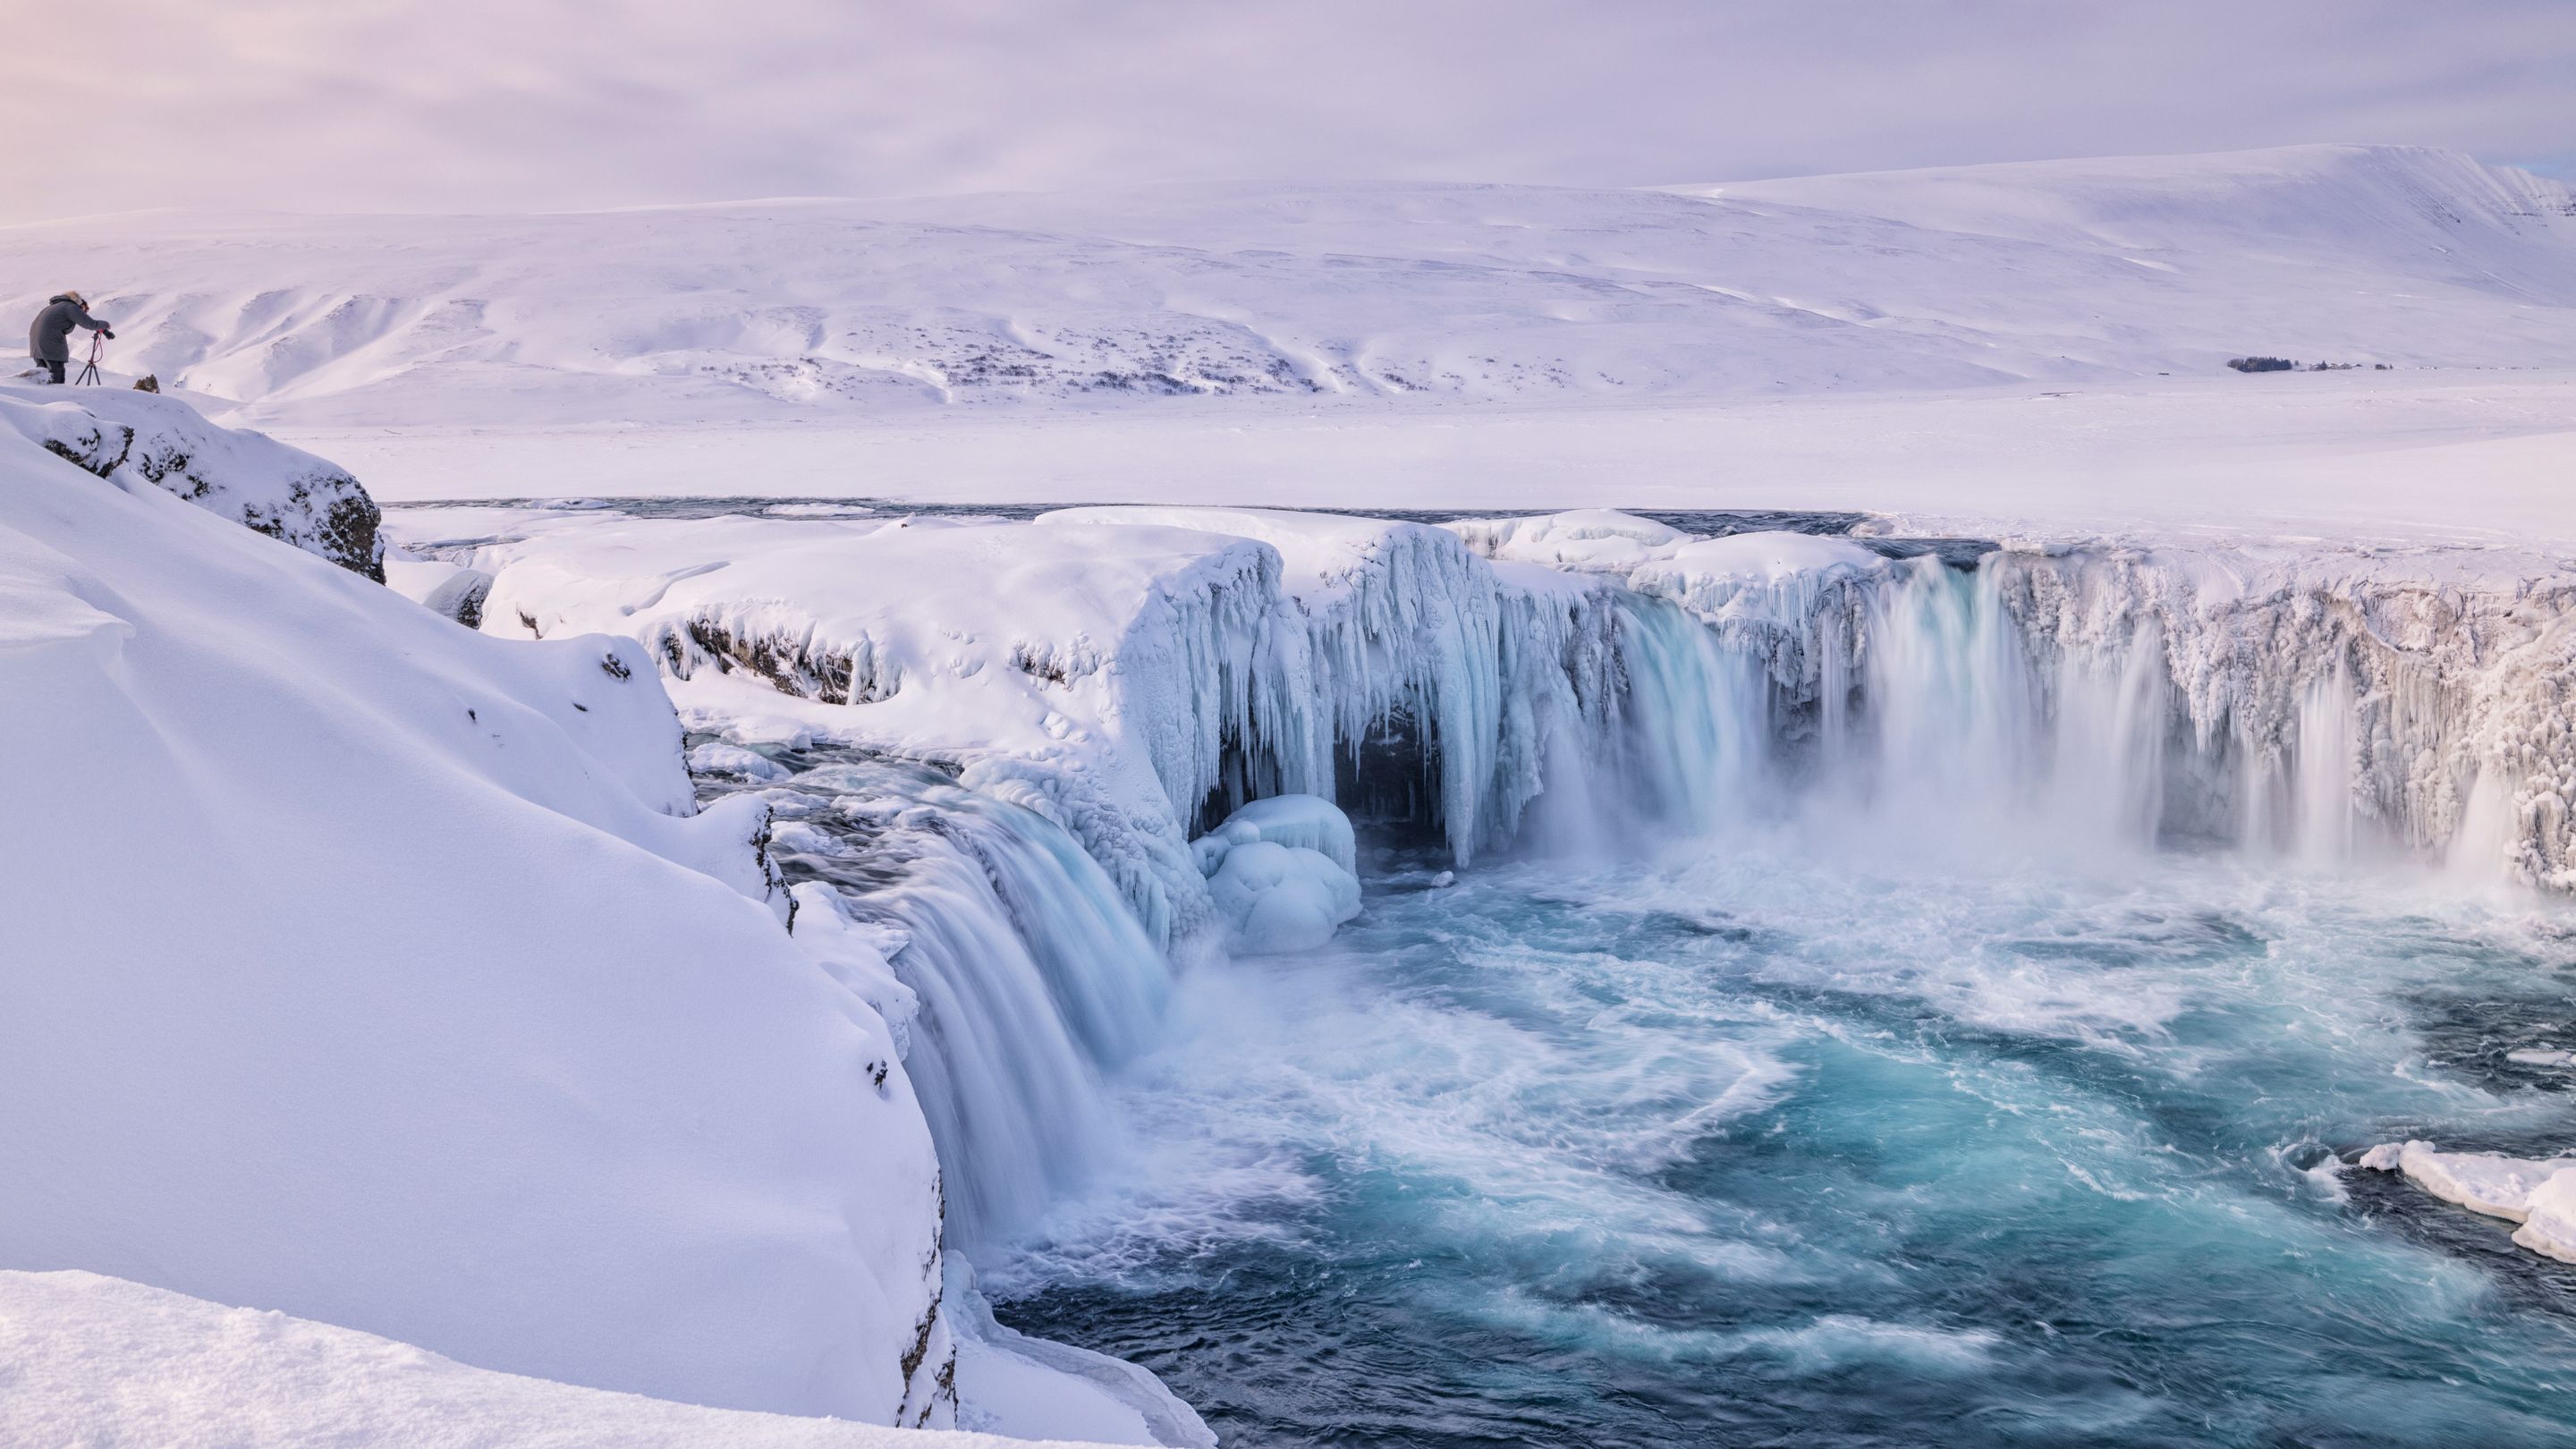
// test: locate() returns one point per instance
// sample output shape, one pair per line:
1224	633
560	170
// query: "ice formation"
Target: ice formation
2538	1194
254	480
1281	871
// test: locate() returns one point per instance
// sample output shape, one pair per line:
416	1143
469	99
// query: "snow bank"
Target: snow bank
256	481
103	1362
2540	1195
1596	539
1028	1387
385	974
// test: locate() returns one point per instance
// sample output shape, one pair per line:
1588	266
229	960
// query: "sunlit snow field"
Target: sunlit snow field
1756	1144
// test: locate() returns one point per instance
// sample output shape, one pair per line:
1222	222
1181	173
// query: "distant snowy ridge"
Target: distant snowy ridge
2069	272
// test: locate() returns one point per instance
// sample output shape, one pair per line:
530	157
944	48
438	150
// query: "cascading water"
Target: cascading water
1034	979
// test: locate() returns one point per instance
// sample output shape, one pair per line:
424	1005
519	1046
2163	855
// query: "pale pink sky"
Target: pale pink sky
546	104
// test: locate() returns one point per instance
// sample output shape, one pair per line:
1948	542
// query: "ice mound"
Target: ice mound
134	437
1281	874
2540	1194
1307	822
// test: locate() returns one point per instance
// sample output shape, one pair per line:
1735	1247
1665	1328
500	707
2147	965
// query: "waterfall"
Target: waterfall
2019	705
1034	978
1694	739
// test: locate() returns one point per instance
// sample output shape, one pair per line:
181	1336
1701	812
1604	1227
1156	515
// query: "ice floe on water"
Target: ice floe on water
2540	1194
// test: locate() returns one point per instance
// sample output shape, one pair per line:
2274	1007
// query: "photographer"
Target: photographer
48	341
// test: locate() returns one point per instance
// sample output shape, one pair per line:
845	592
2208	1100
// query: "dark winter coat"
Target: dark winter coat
47	341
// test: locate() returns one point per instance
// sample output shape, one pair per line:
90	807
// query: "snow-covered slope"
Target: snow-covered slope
2387	209
108	1364
369	969
2065	272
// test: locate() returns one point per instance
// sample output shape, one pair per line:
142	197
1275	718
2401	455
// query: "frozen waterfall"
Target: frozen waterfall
1031	976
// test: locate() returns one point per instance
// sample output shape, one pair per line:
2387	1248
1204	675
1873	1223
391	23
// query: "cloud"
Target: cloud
546	104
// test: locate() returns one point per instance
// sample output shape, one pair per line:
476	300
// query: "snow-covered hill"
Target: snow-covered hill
2063	272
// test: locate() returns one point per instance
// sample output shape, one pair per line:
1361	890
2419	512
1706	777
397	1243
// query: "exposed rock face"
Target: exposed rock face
266	486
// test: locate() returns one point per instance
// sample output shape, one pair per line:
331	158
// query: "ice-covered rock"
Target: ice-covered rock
248	477
717	757
1281	898
449	590
435	1008
2549	1217
1442	681
2420	695
1283	873
1308	822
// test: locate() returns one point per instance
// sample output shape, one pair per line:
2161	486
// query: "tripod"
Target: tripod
89	369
